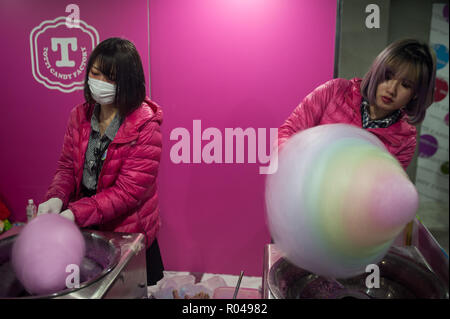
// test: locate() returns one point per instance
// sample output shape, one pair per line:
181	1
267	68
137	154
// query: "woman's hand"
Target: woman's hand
68	214
53	205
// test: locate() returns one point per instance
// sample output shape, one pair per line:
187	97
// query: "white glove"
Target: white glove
53	205
68	214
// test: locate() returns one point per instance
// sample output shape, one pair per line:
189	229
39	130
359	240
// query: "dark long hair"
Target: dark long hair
119	60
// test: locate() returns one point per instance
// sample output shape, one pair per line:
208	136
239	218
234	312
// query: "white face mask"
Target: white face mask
102	92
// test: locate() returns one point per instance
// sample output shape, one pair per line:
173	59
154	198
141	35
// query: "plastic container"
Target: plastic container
243	293
31	210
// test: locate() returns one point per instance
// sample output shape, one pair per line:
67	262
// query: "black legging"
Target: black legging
155	265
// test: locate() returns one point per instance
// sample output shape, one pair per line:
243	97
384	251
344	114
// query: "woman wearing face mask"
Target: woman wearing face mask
106	174
391	98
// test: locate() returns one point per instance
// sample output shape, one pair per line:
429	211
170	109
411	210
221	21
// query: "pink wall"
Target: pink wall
33	117
229	63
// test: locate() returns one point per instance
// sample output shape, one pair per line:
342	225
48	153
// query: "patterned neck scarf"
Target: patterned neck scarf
383	123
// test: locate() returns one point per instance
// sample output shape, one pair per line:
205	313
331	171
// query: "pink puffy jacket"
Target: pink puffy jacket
127	197
339	101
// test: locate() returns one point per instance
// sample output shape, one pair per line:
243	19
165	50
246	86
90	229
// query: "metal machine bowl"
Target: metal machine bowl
108	257
400	278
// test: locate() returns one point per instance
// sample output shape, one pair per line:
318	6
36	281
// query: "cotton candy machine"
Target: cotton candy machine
404	274
114	267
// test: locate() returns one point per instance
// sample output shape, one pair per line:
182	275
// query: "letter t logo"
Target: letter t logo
64	44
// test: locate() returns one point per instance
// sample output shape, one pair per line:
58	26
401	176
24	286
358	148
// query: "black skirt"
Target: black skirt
155	265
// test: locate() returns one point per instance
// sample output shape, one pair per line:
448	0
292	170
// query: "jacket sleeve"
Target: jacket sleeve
309	112
63	183
135	182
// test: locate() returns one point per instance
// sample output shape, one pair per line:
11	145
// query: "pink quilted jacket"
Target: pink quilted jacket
127	197
339	101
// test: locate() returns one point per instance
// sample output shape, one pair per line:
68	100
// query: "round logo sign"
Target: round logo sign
428	145
59	54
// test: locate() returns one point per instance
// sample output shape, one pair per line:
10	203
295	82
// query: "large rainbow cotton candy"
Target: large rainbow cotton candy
337	200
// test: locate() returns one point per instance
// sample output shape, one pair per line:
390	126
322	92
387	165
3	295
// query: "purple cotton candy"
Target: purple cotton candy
42	252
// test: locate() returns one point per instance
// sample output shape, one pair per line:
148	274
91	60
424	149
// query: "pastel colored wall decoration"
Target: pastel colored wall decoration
432	165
